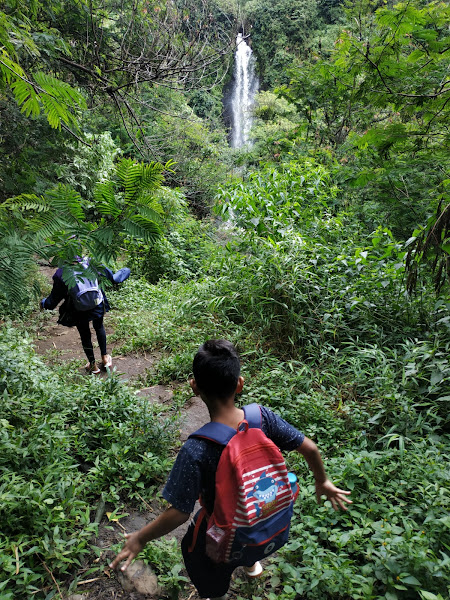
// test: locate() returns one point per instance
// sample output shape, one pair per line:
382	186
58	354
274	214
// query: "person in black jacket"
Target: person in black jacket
70	317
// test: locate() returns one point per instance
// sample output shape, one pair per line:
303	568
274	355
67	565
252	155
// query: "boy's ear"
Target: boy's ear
194	387
240	385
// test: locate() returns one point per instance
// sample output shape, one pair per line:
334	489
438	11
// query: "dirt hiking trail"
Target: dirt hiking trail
58	344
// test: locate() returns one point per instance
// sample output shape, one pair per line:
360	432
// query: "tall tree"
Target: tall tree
384	92
109	50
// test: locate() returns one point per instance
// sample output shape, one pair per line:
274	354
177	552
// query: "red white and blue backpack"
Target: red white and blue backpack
253	496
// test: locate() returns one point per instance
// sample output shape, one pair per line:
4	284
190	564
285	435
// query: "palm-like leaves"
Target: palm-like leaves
59	230
57	99
48	214
136	178
16	264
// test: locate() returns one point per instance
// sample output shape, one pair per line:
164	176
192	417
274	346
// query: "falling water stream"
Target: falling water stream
243	93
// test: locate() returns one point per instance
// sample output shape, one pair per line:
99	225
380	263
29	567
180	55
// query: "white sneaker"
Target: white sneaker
254	571
92	368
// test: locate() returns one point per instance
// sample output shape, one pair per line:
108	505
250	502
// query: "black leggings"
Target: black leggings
86	339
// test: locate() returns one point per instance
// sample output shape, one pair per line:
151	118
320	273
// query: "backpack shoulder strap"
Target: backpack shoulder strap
253	415
222	434
216	432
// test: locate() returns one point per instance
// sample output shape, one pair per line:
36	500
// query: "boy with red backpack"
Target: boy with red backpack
234	466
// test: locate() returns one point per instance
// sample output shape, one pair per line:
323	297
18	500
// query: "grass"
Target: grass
361	406
373	397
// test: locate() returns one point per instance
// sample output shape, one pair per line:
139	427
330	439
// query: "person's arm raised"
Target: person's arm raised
169	520
324	487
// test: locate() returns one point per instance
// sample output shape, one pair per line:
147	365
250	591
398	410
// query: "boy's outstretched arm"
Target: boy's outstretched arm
324	487
169	520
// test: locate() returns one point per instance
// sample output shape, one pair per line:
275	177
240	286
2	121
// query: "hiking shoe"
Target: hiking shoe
107	361
254	571
92	368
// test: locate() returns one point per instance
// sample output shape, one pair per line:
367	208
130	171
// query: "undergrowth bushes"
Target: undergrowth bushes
376	405
393	543
64	448
302	292
180	252
329	339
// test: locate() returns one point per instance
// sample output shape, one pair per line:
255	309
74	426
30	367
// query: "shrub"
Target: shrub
62	448
392	542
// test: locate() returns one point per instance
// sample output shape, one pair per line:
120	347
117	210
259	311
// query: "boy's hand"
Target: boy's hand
336	496
167	521
131	549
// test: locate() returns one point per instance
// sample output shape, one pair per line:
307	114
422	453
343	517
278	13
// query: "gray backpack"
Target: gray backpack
86	293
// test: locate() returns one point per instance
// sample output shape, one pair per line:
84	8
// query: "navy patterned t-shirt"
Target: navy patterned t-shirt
194	471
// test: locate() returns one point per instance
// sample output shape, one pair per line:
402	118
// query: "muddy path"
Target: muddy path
60	344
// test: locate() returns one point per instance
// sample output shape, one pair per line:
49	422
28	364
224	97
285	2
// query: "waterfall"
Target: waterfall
245	86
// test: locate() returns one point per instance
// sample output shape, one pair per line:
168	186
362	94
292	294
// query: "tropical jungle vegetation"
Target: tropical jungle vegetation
321	249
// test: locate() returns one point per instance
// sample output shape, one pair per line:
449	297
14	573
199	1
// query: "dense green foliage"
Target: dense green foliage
379	99
65	447
330	340
312	256
284	30
56	227
139	69
374	398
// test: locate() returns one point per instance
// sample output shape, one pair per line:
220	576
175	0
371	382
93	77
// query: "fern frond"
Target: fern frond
46	224
139	176
18	213
105	200
139	227
151	213
103	235
125	206
9	69
59	99
59	90
132	181
26	97
168	166
12	287
152	230
64	200
122	169
16	263
152	175
102	248
25	202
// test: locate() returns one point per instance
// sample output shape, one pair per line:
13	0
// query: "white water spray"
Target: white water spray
242	98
